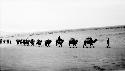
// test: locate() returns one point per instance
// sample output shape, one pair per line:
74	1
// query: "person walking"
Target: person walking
108	43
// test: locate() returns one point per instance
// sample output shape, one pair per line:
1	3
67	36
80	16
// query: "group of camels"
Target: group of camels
3	41
88	42
59	42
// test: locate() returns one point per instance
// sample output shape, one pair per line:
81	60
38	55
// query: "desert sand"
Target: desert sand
15	57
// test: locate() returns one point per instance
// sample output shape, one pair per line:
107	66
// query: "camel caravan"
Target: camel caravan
59	42
5	41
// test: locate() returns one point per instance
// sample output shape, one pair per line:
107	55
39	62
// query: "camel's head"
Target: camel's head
95	40
76	40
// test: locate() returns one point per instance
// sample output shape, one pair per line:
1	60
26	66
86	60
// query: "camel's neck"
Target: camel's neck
94	40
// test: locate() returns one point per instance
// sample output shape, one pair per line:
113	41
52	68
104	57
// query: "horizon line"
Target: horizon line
62	30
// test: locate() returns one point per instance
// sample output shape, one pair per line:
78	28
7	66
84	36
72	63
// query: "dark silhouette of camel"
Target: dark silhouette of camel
19	41
25	42
8	41
47	42
0	41
39	42
73	41
89	41
59	41
32	41
4	41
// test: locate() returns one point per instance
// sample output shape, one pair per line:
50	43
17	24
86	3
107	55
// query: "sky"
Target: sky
48	15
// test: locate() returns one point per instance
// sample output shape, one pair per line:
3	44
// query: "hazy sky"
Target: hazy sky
45	15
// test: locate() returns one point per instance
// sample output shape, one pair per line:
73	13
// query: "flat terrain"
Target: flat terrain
33	58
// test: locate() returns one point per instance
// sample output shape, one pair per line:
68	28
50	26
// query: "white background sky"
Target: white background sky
46	15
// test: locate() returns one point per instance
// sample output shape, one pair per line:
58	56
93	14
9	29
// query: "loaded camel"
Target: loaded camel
89	41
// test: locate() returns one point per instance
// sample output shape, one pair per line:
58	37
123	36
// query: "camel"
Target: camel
59	41
19	41
89	41
32	41
73	41
39	42
47	42
0	41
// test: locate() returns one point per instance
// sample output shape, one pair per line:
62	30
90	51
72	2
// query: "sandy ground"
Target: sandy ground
33	58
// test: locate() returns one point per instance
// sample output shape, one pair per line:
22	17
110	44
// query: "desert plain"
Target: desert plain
15	57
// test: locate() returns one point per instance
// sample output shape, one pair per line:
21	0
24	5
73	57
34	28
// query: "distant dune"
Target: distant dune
7	34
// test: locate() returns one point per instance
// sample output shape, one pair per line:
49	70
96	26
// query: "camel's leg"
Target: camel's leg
93	46
61	45
75	46
45	44
86	46
83	45
90	46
